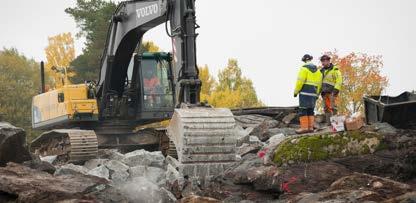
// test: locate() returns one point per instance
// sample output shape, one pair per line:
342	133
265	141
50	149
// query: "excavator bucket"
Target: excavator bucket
205	141
69	145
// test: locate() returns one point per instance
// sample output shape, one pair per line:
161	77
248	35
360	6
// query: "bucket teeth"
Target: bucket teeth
205	140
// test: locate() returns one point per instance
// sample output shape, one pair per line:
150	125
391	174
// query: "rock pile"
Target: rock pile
376	163
139	175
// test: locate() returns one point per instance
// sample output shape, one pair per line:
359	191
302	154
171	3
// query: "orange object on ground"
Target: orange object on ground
331	103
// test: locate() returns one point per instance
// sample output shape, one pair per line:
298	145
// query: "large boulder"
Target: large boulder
28	185
13	146
324	146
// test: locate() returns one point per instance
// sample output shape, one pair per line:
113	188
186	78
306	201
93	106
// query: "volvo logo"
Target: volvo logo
146	11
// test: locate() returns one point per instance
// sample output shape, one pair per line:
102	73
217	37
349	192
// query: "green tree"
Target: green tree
208	83
233	89
19	82
92	18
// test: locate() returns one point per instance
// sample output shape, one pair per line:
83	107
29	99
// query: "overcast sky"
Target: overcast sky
268	37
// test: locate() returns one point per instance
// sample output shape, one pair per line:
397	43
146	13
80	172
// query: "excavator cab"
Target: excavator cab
156	82
154	73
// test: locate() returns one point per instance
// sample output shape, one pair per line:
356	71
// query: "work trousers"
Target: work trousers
307	105
330	101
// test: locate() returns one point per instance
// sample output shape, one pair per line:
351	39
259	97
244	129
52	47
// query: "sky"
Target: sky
267	37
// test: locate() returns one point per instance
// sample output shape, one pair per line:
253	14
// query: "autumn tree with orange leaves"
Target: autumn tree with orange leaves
361	76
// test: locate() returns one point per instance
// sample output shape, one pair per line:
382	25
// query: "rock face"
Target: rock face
23	184
12	144
323	146
358	188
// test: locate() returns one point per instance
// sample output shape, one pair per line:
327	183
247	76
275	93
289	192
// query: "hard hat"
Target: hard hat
307	57
325	57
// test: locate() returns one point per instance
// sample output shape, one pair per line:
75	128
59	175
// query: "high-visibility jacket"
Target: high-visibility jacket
332	78
309	81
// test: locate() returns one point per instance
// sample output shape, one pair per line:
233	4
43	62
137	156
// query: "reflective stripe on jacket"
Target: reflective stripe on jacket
332	78
309	81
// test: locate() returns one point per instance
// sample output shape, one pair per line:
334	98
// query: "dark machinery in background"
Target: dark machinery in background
137	89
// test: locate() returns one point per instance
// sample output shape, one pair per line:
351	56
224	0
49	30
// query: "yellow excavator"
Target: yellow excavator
136	90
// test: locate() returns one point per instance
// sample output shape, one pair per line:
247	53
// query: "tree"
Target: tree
59	54
233	89
92	17
208	83
361	76
19	82
148	46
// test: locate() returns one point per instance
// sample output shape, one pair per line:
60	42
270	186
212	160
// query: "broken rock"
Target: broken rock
40	165
114	165
12	144
141	190
100	171
70	169
94	163
110	154
171	174
269	148
142	157
137	171
155	175
167	196
119	176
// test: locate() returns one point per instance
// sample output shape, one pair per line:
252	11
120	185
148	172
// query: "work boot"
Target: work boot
311	123
304	125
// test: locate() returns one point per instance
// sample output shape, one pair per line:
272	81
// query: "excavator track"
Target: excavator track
205	141
68	144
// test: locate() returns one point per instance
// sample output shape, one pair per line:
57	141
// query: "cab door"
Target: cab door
156	86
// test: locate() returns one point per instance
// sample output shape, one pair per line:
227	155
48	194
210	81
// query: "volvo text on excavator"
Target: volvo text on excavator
138	89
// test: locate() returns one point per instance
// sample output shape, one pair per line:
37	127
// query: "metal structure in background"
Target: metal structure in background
399	111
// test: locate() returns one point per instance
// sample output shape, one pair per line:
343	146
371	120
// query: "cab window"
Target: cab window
156	85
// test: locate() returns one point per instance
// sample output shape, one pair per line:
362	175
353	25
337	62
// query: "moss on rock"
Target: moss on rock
323	146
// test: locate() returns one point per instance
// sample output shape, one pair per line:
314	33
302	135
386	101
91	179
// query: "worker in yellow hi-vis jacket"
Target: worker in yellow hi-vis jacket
308	87
331	85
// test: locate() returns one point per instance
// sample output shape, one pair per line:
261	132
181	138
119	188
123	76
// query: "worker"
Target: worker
308	87
151	87
331	85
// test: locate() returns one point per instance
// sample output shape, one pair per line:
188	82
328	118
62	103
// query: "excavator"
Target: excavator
136	89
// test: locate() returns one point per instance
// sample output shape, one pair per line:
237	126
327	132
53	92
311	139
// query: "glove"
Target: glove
336	92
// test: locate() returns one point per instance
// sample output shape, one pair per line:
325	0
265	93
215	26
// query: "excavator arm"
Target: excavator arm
131	20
